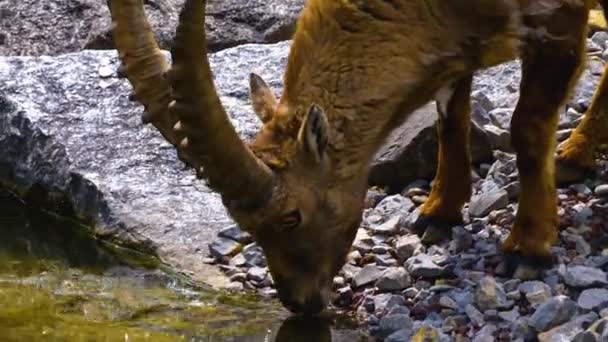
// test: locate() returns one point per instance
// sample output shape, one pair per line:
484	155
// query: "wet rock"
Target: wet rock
393	278
407	245
423	265
593	299
368	274
491	295
584	276
222	247
553	312
235	233
69	26
483	204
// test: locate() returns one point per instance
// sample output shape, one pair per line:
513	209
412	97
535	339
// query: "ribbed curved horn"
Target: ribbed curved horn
196	121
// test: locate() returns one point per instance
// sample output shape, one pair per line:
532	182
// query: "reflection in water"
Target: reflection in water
303	329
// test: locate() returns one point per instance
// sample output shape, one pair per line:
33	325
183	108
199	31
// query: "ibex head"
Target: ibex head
280	187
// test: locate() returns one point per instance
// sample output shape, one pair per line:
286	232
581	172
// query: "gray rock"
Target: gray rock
253	255
390	324
257	273
238	260
553	312
394	205
69	26
221	247
601	190
483	204
349	271
422	265
584	276
410	151
582	214
368	274
401	335
407	245
509	316
499	138
363	243
491	295
235	233
393	278
387	302
600	38
474	315
447	302
385	260
536	292
389	227
569	330
593	299
462	239
485	334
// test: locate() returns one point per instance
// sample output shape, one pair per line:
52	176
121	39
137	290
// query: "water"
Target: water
59	284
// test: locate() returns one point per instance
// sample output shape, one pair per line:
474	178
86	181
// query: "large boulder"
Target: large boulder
71	140
58	26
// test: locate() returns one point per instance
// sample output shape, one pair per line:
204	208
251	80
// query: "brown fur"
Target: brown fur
356	69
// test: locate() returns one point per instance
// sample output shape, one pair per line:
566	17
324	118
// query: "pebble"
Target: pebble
390	324
552	312
584	276
601	190
257	274
485	334
448	302
593	299
222	247
235	233
401	335
394	205
385	260
491	295
349	271
389	227
462	239
393	279
474	315
388	301
406	246
483	204
423	265
569	330
368	274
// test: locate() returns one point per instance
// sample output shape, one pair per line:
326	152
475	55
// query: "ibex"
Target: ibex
355	70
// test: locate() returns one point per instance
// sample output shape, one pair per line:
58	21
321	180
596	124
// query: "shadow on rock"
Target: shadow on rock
305	329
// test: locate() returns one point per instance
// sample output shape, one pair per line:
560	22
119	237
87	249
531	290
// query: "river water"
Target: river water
57	283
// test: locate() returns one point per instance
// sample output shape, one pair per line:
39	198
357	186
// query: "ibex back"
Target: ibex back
356	69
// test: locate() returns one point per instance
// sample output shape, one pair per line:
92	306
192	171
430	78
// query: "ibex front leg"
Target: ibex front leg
452	184
548	73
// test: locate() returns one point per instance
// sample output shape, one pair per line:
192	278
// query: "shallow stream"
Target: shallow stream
57	283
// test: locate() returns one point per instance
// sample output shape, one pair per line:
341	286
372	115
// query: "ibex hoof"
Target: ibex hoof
524	267
433	230
567	172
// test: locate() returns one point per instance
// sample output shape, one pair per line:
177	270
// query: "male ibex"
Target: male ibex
355	70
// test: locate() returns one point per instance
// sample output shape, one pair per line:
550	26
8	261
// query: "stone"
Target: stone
349	271
387	302
233	232
601	190
68	26
448	302
499	138
569	330
254	256
385	260
536	292
422	265
410	151
238	260
462	239
363	243
509	316
394	205
257	274
474	315
222	247
582	214
390	324
600	38
368	274
584	276
552	312
485	334
483	204
389	227
393	279
401	335
491	295
406	246
593	299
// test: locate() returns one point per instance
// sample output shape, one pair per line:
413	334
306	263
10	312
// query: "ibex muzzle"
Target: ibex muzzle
356	69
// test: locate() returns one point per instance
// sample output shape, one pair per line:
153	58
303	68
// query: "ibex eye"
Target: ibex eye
291	220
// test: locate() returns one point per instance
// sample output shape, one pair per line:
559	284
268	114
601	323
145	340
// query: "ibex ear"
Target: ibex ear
314	133
263	101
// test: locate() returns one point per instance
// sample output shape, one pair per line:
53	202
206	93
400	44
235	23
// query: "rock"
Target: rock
368	274
448	302
569	330
584	276
485	334
536	292
474	315
601	190
257	273
385	260
363	243
393	278
406	245
253	255
401	335
238	260
509	316
600	38
387	302
235	233
390	324
349	271
422	265
389	227
593	299
67	26
410	151
582	214
462	239
553	312
491	295
483	204
499	138
395	205
222	247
